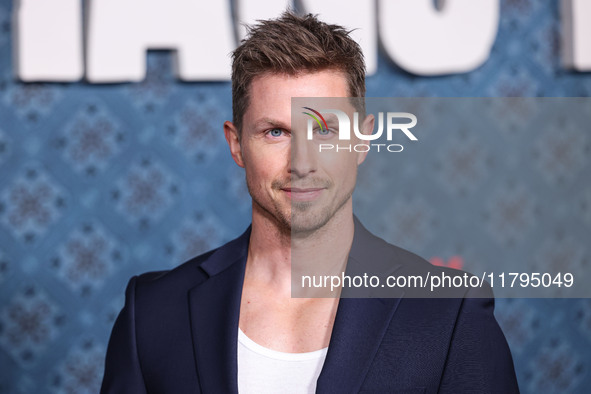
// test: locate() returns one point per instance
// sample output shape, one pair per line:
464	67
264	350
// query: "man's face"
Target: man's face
290	181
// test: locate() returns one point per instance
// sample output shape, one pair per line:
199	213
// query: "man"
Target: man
226	321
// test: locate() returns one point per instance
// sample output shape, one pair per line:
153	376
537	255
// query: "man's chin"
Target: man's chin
305	223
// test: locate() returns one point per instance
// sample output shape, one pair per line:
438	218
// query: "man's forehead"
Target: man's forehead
271	95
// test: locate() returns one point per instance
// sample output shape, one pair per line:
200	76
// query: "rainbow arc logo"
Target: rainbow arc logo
316	119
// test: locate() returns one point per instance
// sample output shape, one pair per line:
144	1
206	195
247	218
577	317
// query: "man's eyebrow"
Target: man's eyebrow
269	122
331	118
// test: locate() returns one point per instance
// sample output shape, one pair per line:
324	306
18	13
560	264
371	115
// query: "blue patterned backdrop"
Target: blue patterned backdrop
98	183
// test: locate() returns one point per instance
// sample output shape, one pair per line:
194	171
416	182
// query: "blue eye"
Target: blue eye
323	131
275	132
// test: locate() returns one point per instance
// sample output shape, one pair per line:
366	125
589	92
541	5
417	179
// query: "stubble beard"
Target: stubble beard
301	218
305	221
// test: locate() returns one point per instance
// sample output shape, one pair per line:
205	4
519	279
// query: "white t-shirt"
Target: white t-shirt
262	370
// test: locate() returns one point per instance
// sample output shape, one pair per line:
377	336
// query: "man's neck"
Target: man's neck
275	255
270	314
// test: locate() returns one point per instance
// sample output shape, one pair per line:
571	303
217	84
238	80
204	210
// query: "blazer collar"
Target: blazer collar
370	253
359	326
214	306
360	323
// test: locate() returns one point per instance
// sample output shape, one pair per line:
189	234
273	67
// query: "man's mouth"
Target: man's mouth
303	194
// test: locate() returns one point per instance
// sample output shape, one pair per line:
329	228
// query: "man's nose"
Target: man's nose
303	157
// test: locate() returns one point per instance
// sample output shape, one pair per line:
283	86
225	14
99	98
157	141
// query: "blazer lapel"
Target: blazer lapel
214	306
360	323
358	329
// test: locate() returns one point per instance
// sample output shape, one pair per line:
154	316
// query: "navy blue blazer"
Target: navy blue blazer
177	333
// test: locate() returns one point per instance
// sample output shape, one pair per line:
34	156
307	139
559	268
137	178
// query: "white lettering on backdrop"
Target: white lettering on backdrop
425	41
576	34
455	37
48	40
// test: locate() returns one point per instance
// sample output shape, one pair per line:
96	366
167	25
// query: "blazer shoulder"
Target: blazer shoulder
370	247
416	263
194	271
370	253
191	269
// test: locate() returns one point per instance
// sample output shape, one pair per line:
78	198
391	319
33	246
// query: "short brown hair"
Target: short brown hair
290	45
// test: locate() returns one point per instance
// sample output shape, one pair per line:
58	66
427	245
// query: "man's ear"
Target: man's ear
233	139
366	128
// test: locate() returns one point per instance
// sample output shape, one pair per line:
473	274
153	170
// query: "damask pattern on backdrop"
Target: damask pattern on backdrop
99	183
